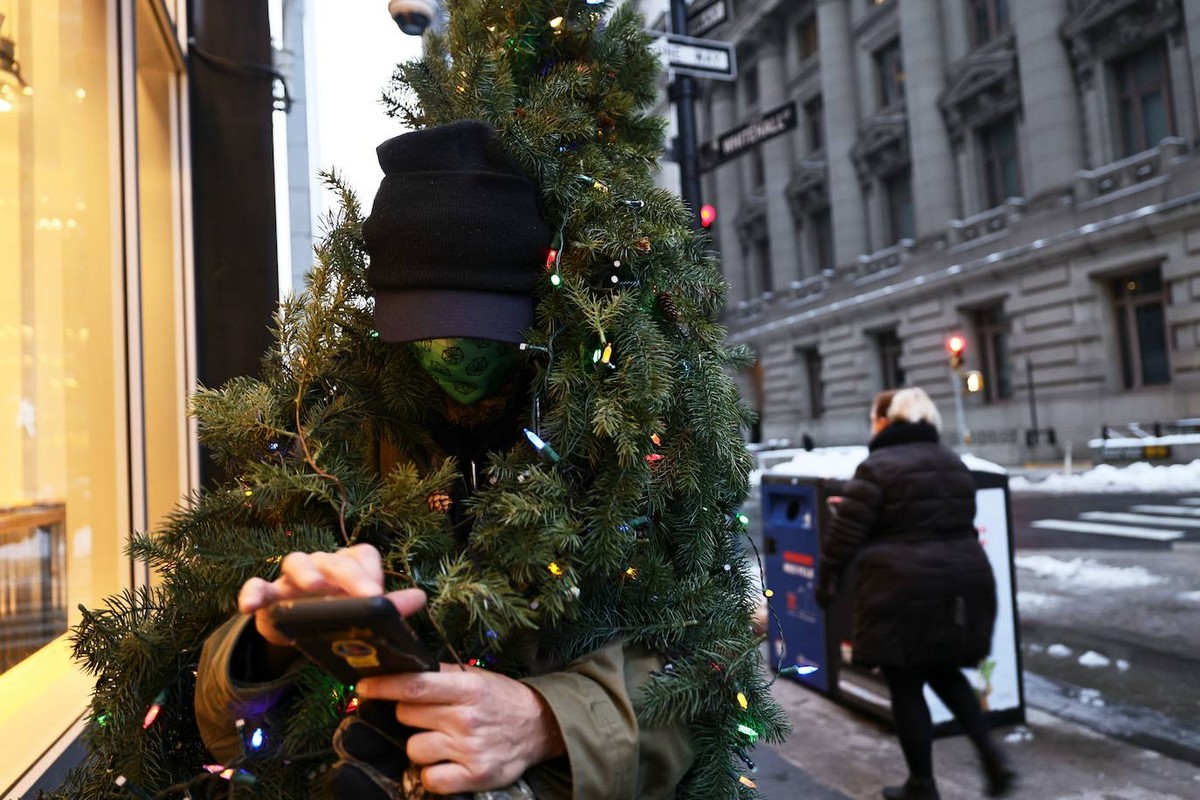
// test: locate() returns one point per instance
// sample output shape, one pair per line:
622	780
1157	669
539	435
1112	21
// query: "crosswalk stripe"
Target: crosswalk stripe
1075	526
1143	519
1190	501
1169	510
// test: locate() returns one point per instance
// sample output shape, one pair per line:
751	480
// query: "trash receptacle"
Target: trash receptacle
795	518
792	516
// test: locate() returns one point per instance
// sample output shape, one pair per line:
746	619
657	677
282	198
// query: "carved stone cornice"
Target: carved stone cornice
751	220
1098	30
983	87
882	146
808	190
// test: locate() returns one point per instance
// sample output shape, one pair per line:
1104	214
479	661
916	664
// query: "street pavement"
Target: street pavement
835	753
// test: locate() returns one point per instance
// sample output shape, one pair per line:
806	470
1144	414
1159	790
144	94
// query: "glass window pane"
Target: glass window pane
1154	119
1152	342
1124	345
61	427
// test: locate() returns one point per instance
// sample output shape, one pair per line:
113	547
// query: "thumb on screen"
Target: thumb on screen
407	601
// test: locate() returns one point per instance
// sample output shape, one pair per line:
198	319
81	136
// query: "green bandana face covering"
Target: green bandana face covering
467	370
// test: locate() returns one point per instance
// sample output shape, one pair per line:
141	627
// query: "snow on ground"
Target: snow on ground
1036	601
835	462
1188	597
1093	659
1139	477
1087	574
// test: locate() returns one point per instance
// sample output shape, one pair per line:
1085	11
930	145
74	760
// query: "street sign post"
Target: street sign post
698	57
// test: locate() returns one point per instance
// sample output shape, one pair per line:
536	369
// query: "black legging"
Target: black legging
914	727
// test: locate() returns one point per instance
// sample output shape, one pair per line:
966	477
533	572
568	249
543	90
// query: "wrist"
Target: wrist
549	742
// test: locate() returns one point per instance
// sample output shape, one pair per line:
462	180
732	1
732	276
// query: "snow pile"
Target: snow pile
1139	477
1086	573
1058	650
823	462
1188	597
1093	659
1035	601
838	462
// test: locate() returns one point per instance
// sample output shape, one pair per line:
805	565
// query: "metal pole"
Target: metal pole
964	435
683	93
1032	402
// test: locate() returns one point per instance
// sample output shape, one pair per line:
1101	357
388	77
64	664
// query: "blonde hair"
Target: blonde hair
906	405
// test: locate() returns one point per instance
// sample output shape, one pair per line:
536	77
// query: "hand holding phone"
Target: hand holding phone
351	637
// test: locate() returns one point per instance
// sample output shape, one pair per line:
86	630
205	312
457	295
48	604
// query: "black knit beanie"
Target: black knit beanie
455	236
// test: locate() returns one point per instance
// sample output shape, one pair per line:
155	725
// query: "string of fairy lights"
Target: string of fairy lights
254	738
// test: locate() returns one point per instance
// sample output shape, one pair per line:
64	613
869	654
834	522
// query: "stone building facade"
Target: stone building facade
1019	172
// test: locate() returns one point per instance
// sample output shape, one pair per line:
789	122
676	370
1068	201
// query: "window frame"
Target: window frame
897	197
889	348
996	14
814	122
1125	304
814	382
890	77
991	323
1128	97
992	162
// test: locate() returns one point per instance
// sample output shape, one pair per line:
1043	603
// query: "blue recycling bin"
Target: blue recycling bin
793	511
817	641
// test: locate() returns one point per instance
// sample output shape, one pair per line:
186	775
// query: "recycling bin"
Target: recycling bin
818	642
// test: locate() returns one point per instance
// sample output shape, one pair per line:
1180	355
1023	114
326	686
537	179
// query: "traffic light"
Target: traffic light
974	381
708	215
957	346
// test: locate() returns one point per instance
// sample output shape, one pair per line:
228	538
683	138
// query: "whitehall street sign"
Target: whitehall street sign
703	20
730	145
699	57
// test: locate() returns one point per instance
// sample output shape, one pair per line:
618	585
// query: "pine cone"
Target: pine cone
438	501
642	245
666	306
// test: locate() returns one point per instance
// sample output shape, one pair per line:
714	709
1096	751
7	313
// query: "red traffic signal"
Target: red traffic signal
708	215
957	347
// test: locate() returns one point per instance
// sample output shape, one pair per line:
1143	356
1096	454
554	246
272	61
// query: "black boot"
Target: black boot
999	773
913	789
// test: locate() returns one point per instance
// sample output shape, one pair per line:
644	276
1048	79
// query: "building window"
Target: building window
1001	167
1143	91
989	18
889	65
897	194
814	385
758	170
822	225
762	257
750	87
807	37
1139	302
992	333
890	348
814	120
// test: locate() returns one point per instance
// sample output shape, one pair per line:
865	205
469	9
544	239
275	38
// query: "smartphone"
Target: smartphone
352	637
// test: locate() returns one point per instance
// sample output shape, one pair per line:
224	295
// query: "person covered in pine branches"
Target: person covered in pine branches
456	242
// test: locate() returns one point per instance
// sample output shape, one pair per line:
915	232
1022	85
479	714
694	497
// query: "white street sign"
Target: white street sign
699	57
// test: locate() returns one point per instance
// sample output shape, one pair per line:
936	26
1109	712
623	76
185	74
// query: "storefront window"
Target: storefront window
60	425
92	333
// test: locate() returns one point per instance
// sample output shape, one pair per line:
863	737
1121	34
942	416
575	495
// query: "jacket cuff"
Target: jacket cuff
598	726
224	693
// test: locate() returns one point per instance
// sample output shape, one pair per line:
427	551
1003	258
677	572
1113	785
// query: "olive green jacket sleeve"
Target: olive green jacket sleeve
609	756
221	698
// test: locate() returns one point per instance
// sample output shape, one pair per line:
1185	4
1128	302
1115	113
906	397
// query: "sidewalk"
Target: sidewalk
838	754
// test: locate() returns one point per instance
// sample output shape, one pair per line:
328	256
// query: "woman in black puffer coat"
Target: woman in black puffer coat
925	599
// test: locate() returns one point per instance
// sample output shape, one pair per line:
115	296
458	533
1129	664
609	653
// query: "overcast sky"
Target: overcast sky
358	46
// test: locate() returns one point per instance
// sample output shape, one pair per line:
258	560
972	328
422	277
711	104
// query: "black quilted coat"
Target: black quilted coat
925	591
